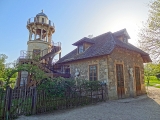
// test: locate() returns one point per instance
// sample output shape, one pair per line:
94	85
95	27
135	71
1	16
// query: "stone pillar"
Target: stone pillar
49	40
47	36
60	55
51	37
35	35
29	36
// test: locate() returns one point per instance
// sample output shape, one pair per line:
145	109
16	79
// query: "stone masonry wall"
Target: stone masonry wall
83	67
129	59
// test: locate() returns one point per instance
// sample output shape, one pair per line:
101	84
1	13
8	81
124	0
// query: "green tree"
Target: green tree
149	35
3	58
37	73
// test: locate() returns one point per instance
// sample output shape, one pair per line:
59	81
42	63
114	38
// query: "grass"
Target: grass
153	81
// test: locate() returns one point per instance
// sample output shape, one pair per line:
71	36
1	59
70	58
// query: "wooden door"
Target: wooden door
137	79
120	81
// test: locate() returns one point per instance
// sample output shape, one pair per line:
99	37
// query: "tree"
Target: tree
10	70
37	73
3	58
149	35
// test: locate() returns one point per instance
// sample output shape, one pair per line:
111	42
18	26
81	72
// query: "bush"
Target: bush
158	76
153	78
56	87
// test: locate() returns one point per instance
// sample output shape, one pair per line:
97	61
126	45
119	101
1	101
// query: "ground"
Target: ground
146	107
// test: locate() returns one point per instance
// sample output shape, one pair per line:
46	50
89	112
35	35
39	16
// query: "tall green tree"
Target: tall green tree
149	35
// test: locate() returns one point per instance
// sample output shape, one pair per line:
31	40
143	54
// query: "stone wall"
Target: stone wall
83	67
38	44
128	59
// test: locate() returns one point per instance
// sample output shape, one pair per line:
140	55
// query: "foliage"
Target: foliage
151	69
56	87
150	33
153	81
37	74
94	85
3	58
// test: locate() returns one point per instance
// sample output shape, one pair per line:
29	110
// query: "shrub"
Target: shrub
158	76
56	87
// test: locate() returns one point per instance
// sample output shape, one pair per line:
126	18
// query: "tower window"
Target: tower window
42	20
37	19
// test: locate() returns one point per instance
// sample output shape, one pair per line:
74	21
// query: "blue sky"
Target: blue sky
73	19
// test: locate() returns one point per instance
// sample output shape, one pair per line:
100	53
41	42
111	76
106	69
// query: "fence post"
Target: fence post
34	96
102	92
7	104
91	95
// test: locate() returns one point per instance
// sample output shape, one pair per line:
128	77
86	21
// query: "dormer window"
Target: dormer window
83	44
125	40
80	49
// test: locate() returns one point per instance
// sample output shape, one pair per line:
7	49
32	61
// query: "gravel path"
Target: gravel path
139	108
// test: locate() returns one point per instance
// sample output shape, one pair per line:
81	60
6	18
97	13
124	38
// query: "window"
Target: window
67	69
80	49
37	19
125	40
42	20
93	72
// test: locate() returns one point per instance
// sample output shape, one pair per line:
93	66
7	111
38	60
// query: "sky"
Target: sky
73	20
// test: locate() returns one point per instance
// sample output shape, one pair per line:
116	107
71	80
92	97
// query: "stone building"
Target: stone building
109	58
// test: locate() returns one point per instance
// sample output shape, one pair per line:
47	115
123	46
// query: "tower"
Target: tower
41	46
40	34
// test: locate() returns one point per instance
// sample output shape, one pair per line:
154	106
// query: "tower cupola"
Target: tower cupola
41	14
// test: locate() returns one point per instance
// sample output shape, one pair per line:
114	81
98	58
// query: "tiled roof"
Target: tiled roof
103	44
85	39
121	32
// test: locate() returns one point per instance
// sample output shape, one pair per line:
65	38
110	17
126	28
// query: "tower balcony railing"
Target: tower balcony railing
36	20
31	55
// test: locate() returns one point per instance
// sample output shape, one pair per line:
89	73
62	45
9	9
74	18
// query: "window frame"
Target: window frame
94	77
80	50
